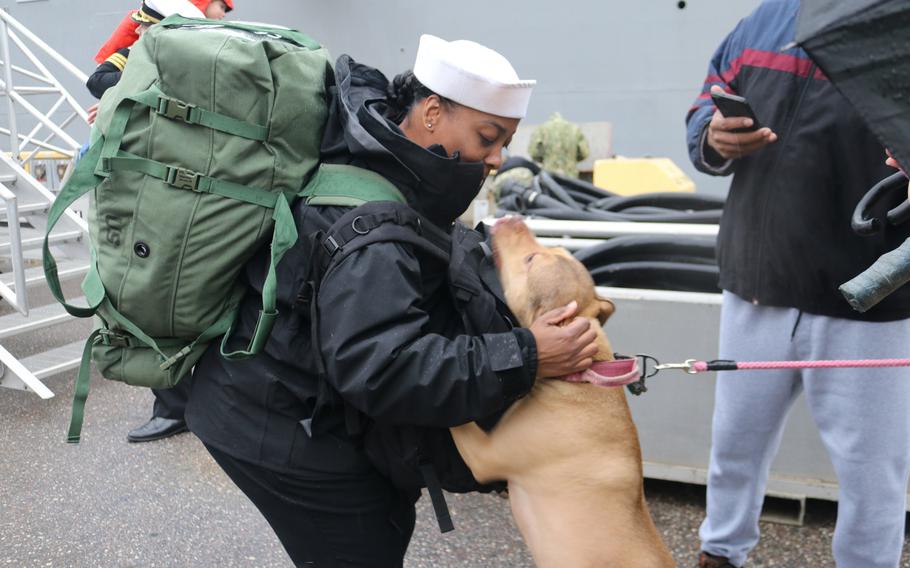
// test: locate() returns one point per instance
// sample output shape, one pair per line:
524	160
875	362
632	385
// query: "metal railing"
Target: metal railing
47	134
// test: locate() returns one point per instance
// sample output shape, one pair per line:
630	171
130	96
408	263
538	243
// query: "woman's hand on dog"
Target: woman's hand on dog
563	348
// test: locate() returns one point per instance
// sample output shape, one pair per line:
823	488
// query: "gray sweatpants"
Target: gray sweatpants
863	416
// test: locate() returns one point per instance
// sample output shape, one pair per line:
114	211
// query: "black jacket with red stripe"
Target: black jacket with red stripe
108	73
785	237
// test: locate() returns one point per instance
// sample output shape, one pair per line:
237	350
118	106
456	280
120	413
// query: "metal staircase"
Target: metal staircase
35	161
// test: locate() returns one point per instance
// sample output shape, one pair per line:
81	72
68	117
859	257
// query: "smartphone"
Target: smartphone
734	106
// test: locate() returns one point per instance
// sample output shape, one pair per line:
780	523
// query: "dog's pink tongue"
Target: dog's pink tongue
608	373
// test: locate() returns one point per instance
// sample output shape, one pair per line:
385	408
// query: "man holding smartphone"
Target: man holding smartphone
785	244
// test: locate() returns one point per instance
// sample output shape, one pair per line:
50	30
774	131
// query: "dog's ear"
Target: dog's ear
605	309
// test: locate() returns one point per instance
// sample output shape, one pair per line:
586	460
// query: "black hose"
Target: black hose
582	198
658	276
686	249
518	162
545	183
581	185
864	222
668	200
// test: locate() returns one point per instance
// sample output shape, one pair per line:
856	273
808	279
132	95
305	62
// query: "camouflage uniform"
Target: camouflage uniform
558	145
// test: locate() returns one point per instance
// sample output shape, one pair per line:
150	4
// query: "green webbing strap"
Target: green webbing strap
349	186
83	379
220	327
287	34
333	184
284	235
182	178
81	391
82	181
176	109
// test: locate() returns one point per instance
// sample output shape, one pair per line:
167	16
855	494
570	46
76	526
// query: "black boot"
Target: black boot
156	429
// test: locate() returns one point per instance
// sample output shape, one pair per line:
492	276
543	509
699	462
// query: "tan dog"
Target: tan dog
569	451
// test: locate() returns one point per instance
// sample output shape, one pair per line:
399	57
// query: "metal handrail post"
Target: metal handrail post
8	86
19	300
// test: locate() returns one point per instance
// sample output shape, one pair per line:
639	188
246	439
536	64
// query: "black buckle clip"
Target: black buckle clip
175	109
182	178
648	370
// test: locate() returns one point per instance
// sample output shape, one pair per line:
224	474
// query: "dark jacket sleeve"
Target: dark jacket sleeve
108	73
381	360
720	73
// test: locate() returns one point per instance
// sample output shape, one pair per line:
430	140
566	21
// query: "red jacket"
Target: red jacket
125	35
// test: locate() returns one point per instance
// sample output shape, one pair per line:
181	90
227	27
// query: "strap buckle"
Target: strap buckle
182	178
175	109
111	338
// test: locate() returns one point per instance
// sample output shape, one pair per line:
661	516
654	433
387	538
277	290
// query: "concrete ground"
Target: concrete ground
108	503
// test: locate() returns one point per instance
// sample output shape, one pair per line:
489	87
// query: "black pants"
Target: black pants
171	403
328	520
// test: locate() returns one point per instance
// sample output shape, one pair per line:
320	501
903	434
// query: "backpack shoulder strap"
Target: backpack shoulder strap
383	221
348	186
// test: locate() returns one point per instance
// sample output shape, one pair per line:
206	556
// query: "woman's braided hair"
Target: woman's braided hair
401	94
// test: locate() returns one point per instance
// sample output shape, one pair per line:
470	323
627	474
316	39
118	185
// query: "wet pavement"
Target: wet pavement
108	503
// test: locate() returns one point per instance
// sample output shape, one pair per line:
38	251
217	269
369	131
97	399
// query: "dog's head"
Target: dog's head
537	279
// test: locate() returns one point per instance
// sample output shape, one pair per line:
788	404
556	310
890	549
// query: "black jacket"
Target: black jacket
391	338
108	73
785	237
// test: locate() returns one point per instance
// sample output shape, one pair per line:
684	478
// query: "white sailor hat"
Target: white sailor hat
153	11
472	75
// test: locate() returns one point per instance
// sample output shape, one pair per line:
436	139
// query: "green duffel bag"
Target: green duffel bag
212	132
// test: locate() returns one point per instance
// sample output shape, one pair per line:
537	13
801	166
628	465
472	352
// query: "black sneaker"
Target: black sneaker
706	560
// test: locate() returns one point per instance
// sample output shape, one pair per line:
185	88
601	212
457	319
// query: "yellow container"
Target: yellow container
631	176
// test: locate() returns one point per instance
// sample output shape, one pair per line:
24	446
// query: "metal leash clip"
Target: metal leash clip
688	366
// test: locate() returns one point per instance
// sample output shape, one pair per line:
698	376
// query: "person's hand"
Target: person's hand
563	348
730	145
92	113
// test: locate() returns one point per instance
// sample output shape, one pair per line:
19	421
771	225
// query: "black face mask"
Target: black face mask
441	187
446	189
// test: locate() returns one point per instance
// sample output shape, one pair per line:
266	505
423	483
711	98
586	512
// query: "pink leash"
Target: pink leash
693	366
627	372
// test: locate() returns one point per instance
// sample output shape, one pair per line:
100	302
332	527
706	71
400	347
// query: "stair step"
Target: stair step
8	178
38	242
56	360
37	318
28	208
65	269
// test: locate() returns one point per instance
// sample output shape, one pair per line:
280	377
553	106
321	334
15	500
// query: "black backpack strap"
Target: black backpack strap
381	221
434	488
375	221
